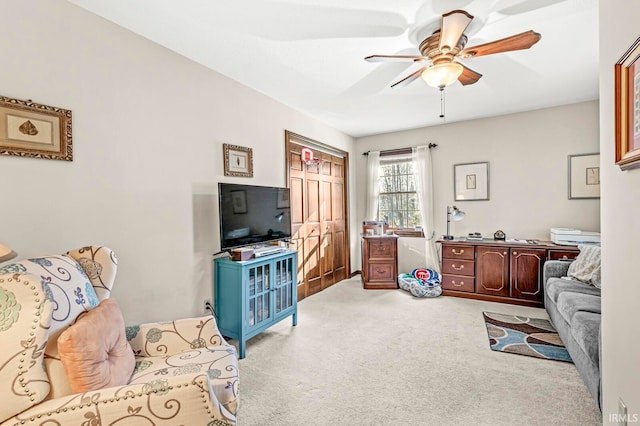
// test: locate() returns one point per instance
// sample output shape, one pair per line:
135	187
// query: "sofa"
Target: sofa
68	359
573	306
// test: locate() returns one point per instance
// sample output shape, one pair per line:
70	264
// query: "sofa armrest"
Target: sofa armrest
167	338
555	269
171	400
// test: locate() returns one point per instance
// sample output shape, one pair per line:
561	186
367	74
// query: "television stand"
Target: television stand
253	295
267	250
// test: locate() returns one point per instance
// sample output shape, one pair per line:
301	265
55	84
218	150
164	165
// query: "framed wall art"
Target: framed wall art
627	108
28	129
471	181
238	160
584	176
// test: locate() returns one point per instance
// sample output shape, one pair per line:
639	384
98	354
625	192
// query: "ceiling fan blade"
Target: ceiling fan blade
288	21
516	7
410	78
453	25
468	76
395	58
516	42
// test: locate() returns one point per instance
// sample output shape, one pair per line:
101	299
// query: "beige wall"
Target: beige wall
620	228
148	129
527	154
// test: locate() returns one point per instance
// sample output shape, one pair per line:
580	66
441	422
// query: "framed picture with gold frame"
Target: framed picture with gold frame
238	160
627	108
28	129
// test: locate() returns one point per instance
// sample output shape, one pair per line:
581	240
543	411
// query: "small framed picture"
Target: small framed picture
238	160
584	176
32	130
471	181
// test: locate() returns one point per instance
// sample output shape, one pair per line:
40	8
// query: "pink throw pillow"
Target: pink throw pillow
94	351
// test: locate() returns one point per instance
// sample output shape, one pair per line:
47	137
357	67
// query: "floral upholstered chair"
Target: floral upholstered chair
67	358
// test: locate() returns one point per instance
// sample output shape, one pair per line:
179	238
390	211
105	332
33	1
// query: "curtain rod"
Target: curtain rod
399	151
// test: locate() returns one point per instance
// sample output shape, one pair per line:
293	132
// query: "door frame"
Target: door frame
291	138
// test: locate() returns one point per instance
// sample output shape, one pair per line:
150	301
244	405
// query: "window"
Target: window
398	203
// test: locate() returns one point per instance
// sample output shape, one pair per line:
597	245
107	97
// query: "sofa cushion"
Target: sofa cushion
218	362
95	352
555	286
585	329
569	303
586	267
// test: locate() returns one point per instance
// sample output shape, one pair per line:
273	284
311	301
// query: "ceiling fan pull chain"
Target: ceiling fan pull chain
442	104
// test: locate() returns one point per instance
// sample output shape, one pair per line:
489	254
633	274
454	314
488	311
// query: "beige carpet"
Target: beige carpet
380	357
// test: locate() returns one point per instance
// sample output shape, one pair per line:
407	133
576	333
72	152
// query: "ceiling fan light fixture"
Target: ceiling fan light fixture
443	74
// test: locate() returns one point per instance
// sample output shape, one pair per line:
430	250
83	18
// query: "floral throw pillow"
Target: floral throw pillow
586	267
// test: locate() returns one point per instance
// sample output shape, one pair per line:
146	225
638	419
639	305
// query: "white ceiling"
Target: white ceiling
308	54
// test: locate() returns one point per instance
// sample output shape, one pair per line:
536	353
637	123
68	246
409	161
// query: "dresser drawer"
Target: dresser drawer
458	283
458	252
563	254
458	267
382	272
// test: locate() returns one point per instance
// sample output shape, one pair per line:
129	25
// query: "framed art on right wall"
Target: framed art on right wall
471	181
584	176
627	108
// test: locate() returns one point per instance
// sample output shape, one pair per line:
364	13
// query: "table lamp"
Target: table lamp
6	253
456	215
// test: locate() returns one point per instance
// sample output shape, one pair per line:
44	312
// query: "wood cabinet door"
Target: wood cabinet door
526	273
492	271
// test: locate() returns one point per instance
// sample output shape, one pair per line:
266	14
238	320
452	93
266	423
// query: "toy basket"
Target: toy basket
419	288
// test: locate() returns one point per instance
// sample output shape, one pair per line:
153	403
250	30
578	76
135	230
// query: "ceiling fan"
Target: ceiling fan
447	45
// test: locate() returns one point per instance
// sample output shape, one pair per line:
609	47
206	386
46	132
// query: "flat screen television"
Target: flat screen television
253	215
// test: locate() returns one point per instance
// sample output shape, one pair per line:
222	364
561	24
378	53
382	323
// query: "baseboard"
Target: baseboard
354	273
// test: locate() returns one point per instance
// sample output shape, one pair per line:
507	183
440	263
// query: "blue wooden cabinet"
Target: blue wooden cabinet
250	296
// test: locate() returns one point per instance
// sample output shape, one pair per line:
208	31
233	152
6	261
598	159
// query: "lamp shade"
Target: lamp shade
6	253
442	75
457	214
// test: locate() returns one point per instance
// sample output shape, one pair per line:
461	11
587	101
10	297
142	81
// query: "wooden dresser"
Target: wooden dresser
379	262
498	271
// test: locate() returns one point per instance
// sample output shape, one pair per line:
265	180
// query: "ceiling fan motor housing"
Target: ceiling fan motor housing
431	49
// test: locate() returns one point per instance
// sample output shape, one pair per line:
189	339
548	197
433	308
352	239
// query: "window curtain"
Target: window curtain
423	175
373	185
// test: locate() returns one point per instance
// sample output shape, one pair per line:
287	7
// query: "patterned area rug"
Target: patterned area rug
524	336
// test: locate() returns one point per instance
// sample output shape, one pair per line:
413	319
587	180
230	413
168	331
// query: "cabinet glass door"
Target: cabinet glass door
284	285
259	294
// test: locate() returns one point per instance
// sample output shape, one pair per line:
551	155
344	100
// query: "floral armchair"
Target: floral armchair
67	358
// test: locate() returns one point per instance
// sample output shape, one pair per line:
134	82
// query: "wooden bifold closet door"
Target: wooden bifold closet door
318	214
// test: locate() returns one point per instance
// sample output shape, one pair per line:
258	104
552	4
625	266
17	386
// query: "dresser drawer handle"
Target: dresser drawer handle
381	271
456	284
515	253
453	265
457	252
